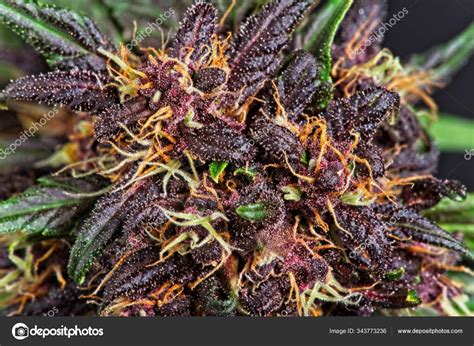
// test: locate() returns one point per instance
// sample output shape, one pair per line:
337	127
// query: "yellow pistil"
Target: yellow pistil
128	80
387	70
227	12
319	220
336	222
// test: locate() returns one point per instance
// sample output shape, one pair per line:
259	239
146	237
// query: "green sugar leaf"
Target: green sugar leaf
252	212
216	169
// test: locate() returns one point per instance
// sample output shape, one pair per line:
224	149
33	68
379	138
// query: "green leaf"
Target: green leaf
446	59
454	134
97	9
117	17
94	233
455	217
304	159
50	208
252	212
420	228
28	153
291	193
356	198
396	274
467	229
189	122
248	172
216	169
453	212
64	37
319	40
412	297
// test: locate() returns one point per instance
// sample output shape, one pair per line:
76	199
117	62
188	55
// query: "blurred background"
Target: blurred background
428	23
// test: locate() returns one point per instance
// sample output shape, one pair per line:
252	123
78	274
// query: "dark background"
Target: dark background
428	23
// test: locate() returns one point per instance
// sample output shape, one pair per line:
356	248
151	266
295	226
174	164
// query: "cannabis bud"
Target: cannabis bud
264	172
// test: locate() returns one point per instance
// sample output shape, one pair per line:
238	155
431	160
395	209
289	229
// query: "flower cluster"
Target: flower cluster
230	174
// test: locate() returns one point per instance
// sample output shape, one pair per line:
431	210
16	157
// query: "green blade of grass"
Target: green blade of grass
453	134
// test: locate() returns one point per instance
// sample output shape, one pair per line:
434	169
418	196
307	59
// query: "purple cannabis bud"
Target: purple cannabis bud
225	174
